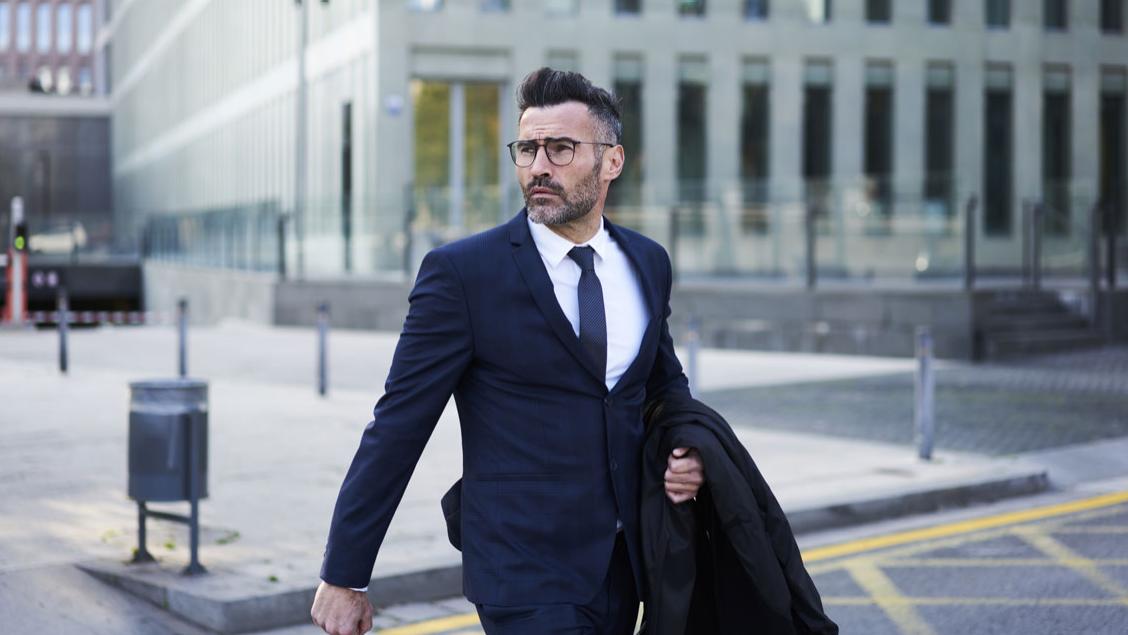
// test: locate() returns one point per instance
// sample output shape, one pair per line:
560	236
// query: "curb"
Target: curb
229	602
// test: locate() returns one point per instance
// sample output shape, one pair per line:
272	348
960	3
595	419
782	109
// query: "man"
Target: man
551	332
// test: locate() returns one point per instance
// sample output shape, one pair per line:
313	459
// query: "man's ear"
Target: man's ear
614	159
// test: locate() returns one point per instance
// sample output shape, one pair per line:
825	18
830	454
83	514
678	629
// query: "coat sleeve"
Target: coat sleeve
433	351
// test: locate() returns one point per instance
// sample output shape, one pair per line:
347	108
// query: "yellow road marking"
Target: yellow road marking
995	562
962	527
975	601
886	596
434	626
1053	548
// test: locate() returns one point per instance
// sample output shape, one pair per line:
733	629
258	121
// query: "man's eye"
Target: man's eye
561	146
526	149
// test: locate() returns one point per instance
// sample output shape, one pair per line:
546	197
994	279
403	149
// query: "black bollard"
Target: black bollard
322	348
63	307
182	327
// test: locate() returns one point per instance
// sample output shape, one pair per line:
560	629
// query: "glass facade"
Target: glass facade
1057	151
997	14
23	27
756	9
43	21
64	31
626	191
1114	144
998	153
692	118
628	6
691	7
818	11
1055	14
755	145
939	11
5	25
939	141
878	137
1112	16
818	109
879	11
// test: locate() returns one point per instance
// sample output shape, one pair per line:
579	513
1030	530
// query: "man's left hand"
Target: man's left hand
684	474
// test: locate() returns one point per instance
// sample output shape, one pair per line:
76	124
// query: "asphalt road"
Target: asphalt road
1044	566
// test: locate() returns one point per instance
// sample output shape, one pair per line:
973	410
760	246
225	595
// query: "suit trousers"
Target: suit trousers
613	610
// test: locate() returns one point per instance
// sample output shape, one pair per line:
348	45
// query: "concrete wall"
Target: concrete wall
353	304
213	294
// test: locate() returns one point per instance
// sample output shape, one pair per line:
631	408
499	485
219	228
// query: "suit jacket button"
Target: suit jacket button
607	400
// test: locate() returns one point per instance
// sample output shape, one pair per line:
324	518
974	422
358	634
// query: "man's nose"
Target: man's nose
541	164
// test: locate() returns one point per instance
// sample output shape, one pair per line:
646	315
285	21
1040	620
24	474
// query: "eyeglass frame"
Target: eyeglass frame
547	140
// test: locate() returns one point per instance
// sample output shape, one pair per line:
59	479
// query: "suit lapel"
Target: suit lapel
529	263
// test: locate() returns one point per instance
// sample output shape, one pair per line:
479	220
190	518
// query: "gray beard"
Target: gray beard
571	208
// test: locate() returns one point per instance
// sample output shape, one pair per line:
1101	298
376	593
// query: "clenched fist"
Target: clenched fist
341	611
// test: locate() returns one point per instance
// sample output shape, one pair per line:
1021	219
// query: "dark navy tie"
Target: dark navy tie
593	320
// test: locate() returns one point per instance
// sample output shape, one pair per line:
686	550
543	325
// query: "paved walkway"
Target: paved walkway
278	451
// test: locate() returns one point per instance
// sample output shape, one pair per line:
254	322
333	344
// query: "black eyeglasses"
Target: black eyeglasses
560	152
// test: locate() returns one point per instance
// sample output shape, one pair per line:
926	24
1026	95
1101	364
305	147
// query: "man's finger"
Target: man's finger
680	452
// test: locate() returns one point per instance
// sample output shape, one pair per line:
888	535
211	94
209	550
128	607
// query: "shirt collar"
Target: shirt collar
554	248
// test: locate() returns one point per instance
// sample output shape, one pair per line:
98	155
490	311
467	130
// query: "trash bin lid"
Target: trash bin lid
169	391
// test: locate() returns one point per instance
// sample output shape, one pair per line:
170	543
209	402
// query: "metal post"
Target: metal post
1026	239
1036	255
142	554
1095	264
62	308
812	267
281	247
194	567
970	228
924	392
182	321
1112	226
693	346
322	348
300	139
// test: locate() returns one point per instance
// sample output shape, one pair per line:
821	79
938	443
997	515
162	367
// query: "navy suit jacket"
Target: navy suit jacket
551	458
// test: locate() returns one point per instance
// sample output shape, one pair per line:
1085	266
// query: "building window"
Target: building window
1055	14
85	81
5	26
691	7
85	28
879	11
998	155
347	183
1114	136
755	144
756	9
998	14
562	7
43	28
939	136
817	134
627	189
878	137
1056	151
499	6
64	30
23	27
818	11
1112	16
692	116
939	11
425	5
632	7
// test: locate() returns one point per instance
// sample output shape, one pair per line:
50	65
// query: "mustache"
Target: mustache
545	182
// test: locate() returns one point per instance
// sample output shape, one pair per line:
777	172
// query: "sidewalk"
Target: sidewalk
278	453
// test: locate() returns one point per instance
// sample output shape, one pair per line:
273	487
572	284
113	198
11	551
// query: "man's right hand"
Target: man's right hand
341	611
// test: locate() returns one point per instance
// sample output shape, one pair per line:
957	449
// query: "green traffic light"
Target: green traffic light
19	243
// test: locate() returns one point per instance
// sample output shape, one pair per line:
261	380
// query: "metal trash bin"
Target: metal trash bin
168	453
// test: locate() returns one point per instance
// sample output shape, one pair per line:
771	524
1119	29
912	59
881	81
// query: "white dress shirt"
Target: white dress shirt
623	302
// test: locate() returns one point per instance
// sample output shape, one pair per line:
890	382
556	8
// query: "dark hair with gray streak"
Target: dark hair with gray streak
548	87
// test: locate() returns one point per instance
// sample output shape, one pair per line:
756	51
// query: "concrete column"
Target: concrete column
660	127
786	121
848	121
